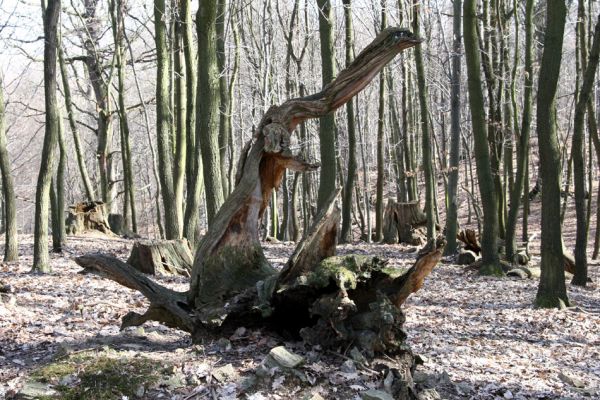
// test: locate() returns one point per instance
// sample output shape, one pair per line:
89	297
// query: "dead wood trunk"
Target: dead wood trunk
351	299
404	223
470	240
87	217
162	257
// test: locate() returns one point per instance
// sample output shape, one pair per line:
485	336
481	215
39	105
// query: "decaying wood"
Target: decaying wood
331	300
87	217
162	257
230	259
318	244
403	223
469	239
353	299
413	279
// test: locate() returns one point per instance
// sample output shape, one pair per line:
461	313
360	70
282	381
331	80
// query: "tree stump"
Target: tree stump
469	238
87	217
403	223
162	257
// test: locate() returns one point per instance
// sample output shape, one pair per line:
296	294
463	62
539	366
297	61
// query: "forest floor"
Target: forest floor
480	338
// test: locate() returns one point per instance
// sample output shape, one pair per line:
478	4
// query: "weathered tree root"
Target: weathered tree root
166	305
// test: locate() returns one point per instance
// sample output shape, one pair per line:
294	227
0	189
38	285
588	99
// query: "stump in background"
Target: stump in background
470	240
162	257
404	223
87	217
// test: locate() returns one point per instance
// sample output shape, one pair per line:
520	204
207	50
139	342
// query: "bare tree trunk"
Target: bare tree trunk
581	270
520	189
129	203
552	288
163	124
426	132
452	217
57	193
490	264
208	115
87	185
41	260
379	200
346	232
11	244
328	174
179	135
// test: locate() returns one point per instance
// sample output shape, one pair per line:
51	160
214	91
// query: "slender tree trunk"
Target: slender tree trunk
452	217
523	148
225	101
552	288
379	200
11	244
208	115
194	171
327	173
180	115
163	131
426	133
41	262
129	204
489	248
87	184
102	87
581	270
346	232
57	193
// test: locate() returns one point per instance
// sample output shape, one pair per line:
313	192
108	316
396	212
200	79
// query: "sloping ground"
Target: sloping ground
480	338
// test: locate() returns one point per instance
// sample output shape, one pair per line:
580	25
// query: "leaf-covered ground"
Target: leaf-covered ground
480	338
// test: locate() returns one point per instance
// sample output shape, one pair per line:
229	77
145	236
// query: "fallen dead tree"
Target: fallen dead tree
325	299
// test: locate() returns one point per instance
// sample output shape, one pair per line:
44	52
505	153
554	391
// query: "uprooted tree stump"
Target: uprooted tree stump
404	223
343	301
162	257
87	217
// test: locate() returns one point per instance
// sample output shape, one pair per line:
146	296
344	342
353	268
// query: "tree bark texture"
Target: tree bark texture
42	195
11	244
490	259
552	289
208	115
